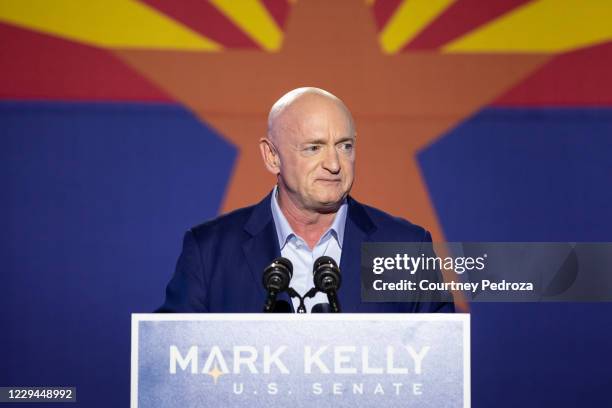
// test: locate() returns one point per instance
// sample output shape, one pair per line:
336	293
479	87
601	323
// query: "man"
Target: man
310	147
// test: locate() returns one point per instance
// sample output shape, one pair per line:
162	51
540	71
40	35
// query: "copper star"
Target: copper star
401	103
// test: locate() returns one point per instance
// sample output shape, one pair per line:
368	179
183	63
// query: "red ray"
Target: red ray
460	18
279	10
37	66
201	16
577	78
383	10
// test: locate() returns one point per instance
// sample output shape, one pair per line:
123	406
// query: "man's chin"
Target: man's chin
330	204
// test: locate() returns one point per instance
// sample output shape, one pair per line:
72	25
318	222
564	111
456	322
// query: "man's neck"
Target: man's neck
309	225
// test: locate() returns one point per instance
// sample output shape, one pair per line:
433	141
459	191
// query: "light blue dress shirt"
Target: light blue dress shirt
294	248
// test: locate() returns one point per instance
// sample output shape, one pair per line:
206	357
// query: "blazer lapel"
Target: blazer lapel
358	229
261	248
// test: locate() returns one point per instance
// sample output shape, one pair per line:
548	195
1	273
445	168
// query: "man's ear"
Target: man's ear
269	155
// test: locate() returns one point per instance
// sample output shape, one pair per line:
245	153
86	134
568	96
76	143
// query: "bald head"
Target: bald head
300	103
310	148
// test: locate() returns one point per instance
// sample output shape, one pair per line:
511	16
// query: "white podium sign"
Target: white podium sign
314	360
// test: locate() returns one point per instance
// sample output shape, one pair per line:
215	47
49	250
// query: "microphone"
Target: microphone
276	279
327	279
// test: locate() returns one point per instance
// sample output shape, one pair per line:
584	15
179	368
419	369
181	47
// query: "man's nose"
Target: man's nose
331	161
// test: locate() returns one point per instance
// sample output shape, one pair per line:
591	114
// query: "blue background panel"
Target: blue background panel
95	200
524	175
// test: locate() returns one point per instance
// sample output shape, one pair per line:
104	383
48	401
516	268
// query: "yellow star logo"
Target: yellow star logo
215	373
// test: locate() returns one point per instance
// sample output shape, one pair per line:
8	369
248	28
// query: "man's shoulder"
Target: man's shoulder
231	222
391	227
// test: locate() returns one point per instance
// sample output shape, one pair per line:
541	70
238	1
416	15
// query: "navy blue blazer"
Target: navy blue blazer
221	265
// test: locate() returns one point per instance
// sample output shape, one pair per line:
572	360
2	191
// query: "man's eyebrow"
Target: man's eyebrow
315	141
324	141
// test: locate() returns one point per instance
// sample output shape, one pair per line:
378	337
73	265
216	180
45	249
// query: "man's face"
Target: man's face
317	155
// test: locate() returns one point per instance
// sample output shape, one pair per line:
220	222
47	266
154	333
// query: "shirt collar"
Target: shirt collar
284	231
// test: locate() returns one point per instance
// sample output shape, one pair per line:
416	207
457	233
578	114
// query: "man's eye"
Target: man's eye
313	148
347	147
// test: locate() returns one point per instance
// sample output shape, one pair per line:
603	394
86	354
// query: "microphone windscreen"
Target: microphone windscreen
285	262
324	260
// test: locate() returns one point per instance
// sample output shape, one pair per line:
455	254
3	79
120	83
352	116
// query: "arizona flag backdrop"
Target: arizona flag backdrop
123	123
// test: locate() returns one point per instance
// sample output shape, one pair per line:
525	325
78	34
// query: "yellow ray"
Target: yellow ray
410	18
542	26
105	23
254	19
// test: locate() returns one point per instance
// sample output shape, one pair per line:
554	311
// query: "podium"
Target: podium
296	360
